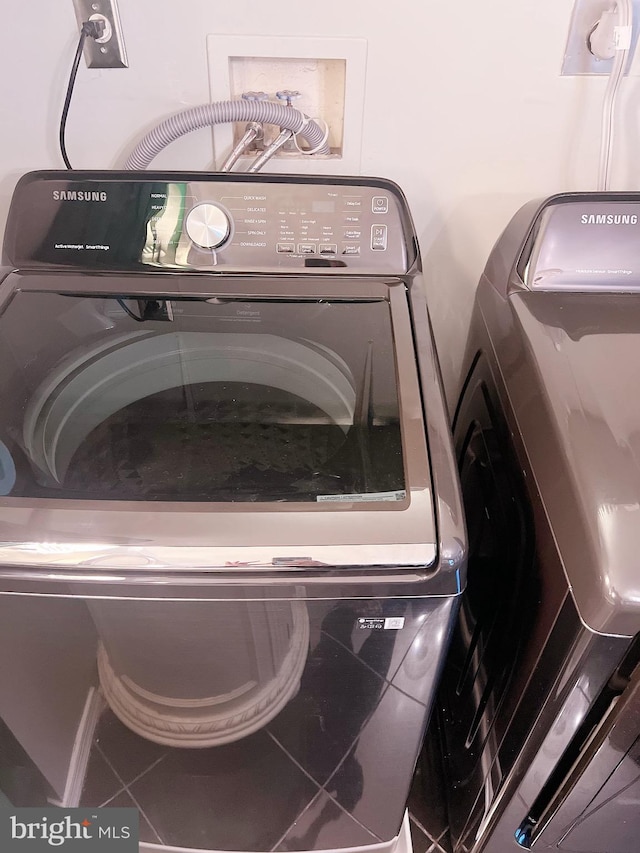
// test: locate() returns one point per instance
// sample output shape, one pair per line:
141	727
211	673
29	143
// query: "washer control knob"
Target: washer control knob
207	225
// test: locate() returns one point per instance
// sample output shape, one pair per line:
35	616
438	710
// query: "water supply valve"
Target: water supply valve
288	95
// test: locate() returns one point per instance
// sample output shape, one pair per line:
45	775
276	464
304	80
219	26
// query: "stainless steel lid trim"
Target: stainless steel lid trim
100	556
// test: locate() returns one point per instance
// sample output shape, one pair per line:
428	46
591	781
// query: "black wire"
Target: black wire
128	311
87	29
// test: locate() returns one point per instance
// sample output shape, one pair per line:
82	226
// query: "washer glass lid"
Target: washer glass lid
109	398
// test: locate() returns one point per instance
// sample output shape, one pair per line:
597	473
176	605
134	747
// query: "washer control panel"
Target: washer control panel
235	223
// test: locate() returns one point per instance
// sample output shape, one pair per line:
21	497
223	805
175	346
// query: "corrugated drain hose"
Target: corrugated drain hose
222	112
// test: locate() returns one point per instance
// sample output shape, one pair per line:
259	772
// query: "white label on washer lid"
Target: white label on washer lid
381	623
399	495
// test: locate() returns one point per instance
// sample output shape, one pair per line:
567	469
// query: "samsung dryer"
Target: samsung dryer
540	708
231	536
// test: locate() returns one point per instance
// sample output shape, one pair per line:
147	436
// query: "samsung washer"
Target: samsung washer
231	536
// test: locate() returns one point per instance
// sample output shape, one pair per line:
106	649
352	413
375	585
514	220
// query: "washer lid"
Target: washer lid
581	428
212	430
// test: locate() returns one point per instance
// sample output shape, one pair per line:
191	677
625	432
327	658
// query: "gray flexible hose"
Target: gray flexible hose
222	112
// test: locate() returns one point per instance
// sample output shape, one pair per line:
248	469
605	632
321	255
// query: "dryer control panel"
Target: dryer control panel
208	223
584	242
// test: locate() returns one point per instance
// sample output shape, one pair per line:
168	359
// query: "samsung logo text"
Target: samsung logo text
79	195
609	219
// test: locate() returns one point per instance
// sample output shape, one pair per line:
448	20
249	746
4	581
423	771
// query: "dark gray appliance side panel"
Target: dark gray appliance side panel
598	805
612	824
580	678
538	415
581	431
572	664
508	612
568	664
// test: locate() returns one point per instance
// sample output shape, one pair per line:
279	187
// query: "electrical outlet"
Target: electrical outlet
578	59
108	51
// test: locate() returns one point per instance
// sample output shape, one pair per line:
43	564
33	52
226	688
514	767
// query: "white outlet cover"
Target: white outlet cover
222	48
578	60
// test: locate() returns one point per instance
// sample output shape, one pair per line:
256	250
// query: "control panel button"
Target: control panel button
306	249
285	248
207	225
379	237
351	249
352	234
328	249
380	204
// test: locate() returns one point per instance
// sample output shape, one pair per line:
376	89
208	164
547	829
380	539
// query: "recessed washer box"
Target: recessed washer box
329	73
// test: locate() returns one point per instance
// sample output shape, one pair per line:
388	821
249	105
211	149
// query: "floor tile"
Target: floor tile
128	753
442	846
242	796
100	782
337	694
421	842
124	801
324	826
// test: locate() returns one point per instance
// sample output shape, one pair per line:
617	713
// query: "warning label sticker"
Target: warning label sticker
398	495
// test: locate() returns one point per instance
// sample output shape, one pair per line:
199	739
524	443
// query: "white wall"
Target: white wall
464	107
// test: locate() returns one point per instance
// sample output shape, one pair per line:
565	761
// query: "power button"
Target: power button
380	204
